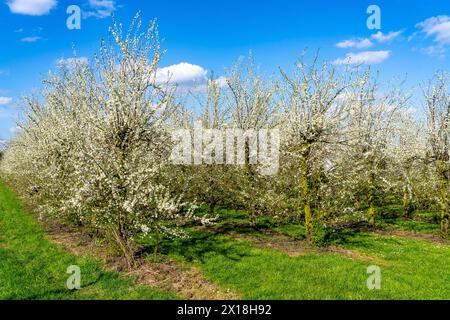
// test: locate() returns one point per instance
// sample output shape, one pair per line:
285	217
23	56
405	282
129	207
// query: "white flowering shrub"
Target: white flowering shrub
437	105
408	169
373	120
313	115
95	149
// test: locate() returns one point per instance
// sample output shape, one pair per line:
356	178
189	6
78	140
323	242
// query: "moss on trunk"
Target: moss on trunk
306	192
444	197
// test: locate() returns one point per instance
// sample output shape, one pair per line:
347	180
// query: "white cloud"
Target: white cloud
15	130
361	43
434	51
5	101
31	39
365	57
382	38
355	43
100	9
437	27
187	76
181	73
38	29
31	7
71	63
221	82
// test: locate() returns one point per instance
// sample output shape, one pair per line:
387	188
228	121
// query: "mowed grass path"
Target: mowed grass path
410	269
33	268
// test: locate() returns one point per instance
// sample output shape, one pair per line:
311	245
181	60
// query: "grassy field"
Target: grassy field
254	264
33	268
411	269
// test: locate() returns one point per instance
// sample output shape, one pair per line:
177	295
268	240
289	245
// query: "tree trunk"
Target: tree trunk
408	207
306	192
443	186
157	242
371	196
126	247
250	175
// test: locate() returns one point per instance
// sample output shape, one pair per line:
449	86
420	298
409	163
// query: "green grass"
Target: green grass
412	225
411	269
417	269
33	268
421	221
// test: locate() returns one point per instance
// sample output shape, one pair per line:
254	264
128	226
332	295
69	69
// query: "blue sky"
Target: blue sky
414	39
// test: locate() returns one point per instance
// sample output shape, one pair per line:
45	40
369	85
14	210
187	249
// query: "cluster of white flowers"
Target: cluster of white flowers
96	149
348	145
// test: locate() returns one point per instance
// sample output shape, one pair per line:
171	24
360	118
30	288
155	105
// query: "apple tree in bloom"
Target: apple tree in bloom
95	149
437	105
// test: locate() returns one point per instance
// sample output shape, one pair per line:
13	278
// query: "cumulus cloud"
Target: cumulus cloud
355	43
71	63
181	73
437	27
382	38
186	76
15	130
31	7
434	51
5	101
365	57
31	39
100	9
361	43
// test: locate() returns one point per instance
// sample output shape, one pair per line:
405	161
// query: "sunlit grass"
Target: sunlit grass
410	270
33	268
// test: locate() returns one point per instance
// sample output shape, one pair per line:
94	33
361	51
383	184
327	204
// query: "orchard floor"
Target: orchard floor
33	268
271	263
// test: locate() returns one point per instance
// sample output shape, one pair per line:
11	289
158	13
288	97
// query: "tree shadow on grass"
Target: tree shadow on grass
200	245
